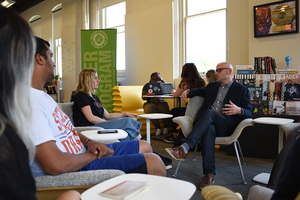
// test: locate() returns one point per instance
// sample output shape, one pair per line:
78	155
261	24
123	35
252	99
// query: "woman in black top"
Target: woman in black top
88	110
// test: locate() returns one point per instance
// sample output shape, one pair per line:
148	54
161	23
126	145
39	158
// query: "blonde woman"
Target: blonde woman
88	110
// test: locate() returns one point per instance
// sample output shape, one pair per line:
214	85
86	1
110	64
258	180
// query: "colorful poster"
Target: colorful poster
98	51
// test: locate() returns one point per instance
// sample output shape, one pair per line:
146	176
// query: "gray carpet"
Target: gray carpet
227	169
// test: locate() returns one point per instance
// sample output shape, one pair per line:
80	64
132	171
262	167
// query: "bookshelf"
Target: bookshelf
273	94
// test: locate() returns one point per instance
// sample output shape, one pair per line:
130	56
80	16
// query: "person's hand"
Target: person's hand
184	95
99	149
231	109
132	115
160	79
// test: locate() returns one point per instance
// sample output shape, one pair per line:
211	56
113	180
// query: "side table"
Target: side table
264	177
275	121
153	116
93	134
158	188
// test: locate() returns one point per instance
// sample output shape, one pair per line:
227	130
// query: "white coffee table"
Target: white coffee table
264	177
93	134
153	116
158	188
275	121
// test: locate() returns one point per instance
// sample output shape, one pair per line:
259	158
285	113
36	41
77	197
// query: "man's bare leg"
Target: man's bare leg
145	147
155	165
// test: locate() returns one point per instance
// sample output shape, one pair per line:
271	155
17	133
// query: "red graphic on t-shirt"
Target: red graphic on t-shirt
72	143
98	105
61	118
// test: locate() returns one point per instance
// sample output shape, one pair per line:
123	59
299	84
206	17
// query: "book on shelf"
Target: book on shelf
271	91
255	93
279	107
244	67
287	78
277	93
265	90
257	65
259	107
265	65
238	78
290	92
245	71
292	108
248	80
255	107
124	190
270	107
287	71
274	65
263	108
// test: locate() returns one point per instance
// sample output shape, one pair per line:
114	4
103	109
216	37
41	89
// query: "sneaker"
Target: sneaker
170	139
158	132
165	131
169	167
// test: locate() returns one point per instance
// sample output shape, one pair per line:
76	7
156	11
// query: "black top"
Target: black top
81	100
16	181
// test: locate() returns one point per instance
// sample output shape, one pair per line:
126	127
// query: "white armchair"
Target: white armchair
186	124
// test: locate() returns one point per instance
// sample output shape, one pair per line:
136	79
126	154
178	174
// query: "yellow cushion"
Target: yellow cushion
215	192
127	97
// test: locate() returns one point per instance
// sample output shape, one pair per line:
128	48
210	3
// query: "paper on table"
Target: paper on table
124	190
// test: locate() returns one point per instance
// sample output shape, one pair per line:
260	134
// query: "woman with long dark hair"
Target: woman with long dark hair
190	78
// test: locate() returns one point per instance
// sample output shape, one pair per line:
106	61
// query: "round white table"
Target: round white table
275	121
264	177
158	188
93	134
153	116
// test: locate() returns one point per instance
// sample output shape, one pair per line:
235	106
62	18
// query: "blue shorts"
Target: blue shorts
126	158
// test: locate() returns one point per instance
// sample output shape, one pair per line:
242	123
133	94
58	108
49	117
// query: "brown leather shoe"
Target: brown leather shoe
177	153
207	179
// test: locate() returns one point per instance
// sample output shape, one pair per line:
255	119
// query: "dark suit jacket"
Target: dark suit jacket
237	93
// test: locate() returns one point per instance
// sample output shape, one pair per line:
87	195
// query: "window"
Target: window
114	17
205	33
57	57
35	25
56	35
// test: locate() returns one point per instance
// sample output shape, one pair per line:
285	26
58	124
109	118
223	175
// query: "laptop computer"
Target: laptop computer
159	88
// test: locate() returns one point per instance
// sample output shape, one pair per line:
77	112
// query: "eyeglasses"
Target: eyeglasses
220	69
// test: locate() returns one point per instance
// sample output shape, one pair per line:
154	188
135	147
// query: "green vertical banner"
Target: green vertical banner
98	51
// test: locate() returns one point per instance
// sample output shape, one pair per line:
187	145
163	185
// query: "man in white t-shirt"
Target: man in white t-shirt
60	148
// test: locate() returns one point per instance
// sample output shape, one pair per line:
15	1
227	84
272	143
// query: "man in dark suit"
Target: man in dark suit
226	104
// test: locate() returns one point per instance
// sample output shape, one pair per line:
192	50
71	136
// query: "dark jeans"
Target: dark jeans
209	125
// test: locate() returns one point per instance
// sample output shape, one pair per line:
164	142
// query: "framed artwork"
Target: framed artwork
276	18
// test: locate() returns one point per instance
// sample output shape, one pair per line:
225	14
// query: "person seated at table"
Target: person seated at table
60	148
225	105
156	105
210	76
190	78
88	110
17	49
